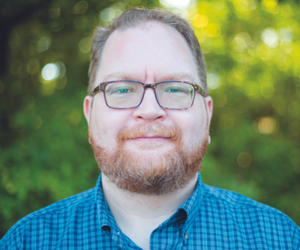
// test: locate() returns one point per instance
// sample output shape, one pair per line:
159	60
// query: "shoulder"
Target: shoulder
233	200
223	199
65	206
58	213
246	216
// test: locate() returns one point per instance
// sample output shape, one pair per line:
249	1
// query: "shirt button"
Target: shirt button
186	236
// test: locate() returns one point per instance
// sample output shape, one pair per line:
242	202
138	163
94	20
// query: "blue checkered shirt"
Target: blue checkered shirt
211	218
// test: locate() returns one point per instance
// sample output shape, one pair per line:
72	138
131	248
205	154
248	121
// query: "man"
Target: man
149	112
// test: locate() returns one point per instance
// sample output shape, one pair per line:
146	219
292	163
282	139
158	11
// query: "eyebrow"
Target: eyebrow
175	76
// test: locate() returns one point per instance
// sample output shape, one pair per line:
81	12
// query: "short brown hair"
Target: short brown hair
132	18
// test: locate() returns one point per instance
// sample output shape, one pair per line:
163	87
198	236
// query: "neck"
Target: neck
138	215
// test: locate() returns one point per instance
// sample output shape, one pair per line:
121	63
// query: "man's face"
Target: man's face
147	137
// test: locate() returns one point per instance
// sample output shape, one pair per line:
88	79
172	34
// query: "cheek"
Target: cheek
100	121
187	125
106	123
194	124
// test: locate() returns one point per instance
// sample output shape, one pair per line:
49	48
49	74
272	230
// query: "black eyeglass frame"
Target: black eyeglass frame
102	86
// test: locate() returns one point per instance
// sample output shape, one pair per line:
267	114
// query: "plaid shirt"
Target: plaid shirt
211	218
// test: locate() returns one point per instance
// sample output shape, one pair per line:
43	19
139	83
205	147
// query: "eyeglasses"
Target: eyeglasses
127	94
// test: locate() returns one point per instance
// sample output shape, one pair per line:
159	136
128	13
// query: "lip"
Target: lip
151	139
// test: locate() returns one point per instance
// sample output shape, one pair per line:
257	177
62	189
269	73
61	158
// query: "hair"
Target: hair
133	17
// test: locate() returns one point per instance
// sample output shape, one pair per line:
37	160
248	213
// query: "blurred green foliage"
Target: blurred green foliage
252	50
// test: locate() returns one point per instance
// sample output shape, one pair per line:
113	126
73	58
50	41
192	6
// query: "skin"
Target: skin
150	52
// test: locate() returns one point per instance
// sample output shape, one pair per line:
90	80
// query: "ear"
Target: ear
209	107
87	108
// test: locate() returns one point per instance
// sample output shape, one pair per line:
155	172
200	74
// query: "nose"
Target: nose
149	110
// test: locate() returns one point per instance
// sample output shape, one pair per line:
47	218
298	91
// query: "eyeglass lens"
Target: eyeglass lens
129	94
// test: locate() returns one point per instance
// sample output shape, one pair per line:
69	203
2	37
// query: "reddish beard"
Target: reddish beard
163	174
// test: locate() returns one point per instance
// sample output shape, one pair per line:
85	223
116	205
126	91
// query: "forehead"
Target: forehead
148	52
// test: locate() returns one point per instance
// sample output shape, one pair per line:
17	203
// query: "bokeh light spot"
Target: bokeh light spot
57	24
74	118
270	37
213	80
85	45
267	125
267	90
286	47
244	159
245	5
241	41
43	44
10	188
200	21
107	14
180	4
212	30
52	71
271	6
81	7
54	11
285	35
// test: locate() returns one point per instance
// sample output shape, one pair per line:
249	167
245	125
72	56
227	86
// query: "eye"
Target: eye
175	90
122	90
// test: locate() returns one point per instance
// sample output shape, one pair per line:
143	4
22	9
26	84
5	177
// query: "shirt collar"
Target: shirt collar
105	216
192	205
187	211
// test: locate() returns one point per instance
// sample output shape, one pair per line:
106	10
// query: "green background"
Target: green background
252	51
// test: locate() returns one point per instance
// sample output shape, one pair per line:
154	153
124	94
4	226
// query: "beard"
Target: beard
136	172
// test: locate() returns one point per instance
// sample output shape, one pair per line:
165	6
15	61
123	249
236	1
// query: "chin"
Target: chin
154	168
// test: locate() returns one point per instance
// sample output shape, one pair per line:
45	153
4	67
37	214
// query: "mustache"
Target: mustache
149	129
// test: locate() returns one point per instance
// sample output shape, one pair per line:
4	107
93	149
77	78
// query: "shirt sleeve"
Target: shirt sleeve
295	232
13	239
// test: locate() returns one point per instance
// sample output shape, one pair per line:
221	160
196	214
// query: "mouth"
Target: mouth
150	139
157	134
